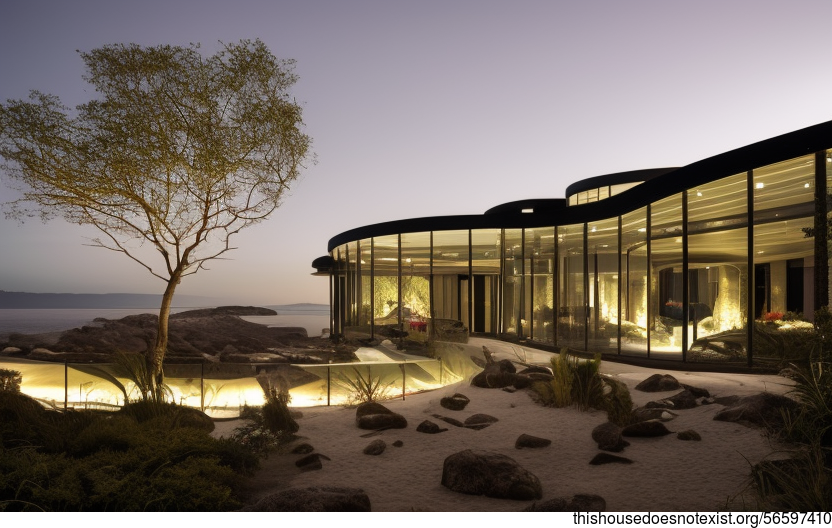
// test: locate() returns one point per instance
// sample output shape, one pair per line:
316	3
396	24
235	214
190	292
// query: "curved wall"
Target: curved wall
679	267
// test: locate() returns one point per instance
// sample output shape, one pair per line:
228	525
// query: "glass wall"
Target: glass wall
416	283
386	282
450	275
365	317
540	265
666	310
718	270
602	265
572	313
513	315
485	266
633	319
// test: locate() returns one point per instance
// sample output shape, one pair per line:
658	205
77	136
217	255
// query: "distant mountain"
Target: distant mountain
299	307
93	300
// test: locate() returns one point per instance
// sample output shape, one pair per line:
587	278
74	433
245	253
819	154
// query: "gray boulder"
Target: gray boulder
659	383
375	416
430	428
608	437
479	421
576	503
689	435
646	429
684	400
314	499
375	448
607	458
457	402
490	474
763	410
533	442
311	462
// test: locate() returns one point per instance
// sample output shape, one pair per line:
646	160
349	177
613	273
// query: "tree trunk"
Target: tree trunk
157	354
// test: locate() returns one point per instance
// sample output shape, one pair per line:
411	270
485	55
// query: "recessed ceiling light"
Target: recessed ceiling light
760	185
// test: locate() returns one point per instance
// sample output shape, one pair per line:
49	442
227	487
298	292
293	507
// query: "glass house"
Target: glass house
683	264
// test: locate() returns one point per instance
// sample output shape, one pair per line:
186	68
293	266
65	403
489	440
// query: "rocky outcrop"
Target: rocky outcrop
575	503
457	402
529	441
314	499
375	416
499	374
763	410
608	436
490	474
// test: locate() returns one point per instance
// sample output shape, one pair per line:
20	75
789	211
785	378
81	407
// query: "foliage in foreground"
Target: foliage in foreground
804	481
87	461
579	382
10	380
270	426
364	388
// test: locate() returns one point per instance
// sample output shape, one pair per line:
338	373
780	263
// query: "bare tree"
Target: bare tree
177	152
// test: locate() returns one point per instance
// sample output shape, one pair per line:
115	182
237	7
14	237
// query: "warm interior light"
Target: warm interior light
806	185
698	193
527	210
760	185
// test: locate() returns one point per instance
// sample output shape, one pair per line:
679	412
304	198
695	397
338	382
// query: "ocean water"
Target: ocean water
41	320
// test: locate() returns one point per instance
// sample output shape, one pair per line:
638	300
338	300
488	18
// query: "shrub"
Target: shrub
363	388
10	380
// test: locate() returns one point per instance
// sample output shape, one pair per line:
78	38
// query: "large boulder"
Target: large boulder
375	416
314	499
429	427
490	474
500	374
659	383
576	503
457	402
763	410
608	437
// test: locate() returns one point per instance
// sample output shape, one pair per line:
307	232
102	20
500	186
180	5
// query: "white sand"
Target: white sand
667	474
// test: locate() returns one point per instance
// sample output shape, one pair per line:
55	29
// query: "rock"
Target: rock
375	416
689	435
302	449
576	503
398	443
763	410
479	421
536	369
646	429
8	351
538	376
311	462
696	391
457	402
608	437
643	414
314	499
497	375
606	458
659	383
429	427
452	421
530	441
490	474
683	400
375	448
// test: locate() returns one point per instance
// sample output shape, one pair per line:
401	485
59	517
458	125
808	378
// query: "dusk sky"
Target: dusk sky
433	108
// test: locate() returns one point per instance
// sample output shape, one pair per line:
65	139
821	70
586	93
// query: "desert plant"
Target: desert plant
10	380
617	401
364	388
561	384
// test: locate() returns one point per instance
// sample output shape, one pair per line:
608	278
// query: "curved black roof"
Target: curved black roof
635	176
549	212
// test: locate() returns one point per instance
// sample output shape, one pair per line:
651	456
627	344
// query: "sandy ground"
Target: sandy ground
667	474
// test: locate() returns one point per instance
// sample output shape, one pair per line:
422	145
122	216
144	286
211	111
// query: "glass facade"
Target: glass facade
688	275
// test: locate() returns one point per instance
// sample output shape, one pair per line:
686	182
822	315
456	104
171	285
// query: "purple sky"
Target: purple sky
433	108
